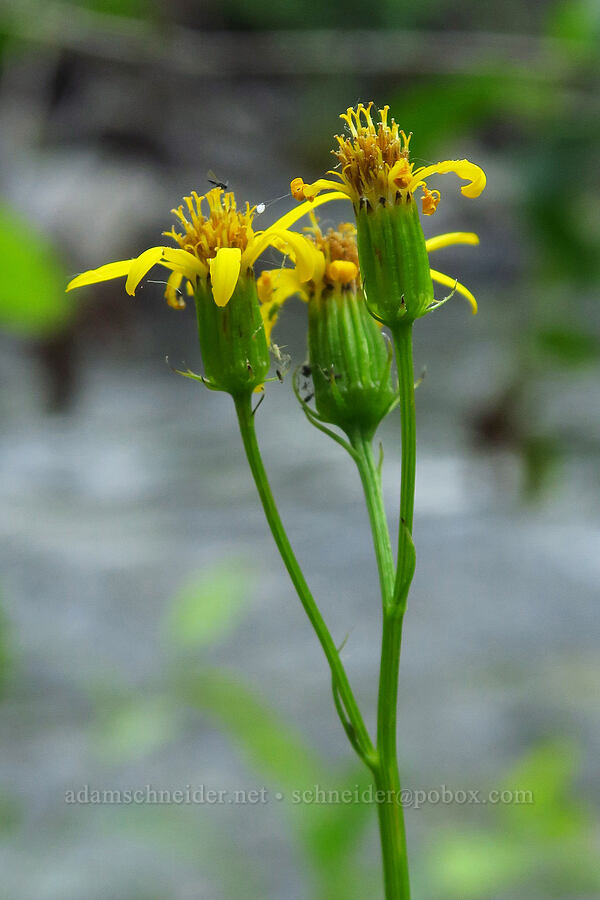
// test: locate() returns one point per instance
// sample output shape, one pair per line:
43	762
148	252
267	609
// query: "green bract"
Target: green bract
394	262
232	339
350	362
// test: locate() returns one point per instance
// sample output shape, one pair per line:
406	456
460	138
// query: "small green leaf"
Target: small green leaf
134	728
32	281
210	604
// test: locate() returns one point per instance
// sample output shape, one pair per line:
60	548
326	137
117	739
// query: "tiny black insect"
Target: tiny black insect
306	370
212	179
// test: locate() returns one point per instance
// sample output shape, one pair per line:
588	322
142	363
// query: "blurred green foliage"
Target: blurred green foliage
33	302
209	604
543	849
128	727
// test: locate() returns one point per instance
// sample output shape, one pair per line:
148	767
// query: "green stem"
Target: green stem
371	482
391	814
354	724
406	384
387	777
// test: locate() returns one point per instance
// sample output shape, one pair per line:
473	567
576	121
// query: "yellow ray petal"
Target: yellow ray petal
224	273
319	271
184	262
104	273
303	191
286	284
474	175
456	286
141	266
452	237
298	211
172	295
303	252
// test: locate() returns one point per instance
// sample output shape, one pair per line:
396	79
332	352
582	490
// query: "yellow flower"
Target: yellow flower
375	166
216	248
336	267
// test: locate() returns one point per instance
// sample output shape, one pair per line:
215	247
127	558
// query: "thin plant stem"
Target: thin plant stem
391	816
371	482
402	336
354	725
386	774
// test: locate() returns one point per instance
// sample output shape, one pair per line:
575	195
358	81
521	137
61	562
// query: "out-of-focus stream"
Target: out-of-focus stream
107	509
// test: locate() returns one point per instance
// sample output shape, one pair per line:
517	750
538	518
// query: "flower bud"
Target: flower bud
350	362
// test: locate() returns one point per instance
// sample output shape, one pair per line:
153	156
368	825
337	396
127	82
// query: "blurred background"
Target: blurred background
148	633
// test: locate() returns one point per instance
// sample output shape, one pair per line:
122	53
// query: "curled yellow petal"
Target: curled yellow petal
104	273
456	286
429	201
291	217
303	191
452	237
297	188
302	251
141	266
224	273
172	295
468	171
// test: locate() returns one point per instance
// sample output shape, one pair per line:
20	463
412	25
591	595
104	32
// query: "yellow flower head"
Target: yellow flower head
336	268
375	165
216	246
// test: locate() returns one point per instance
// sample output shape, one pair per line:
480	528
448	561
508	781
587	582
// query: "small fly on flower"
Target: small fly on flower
213	179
